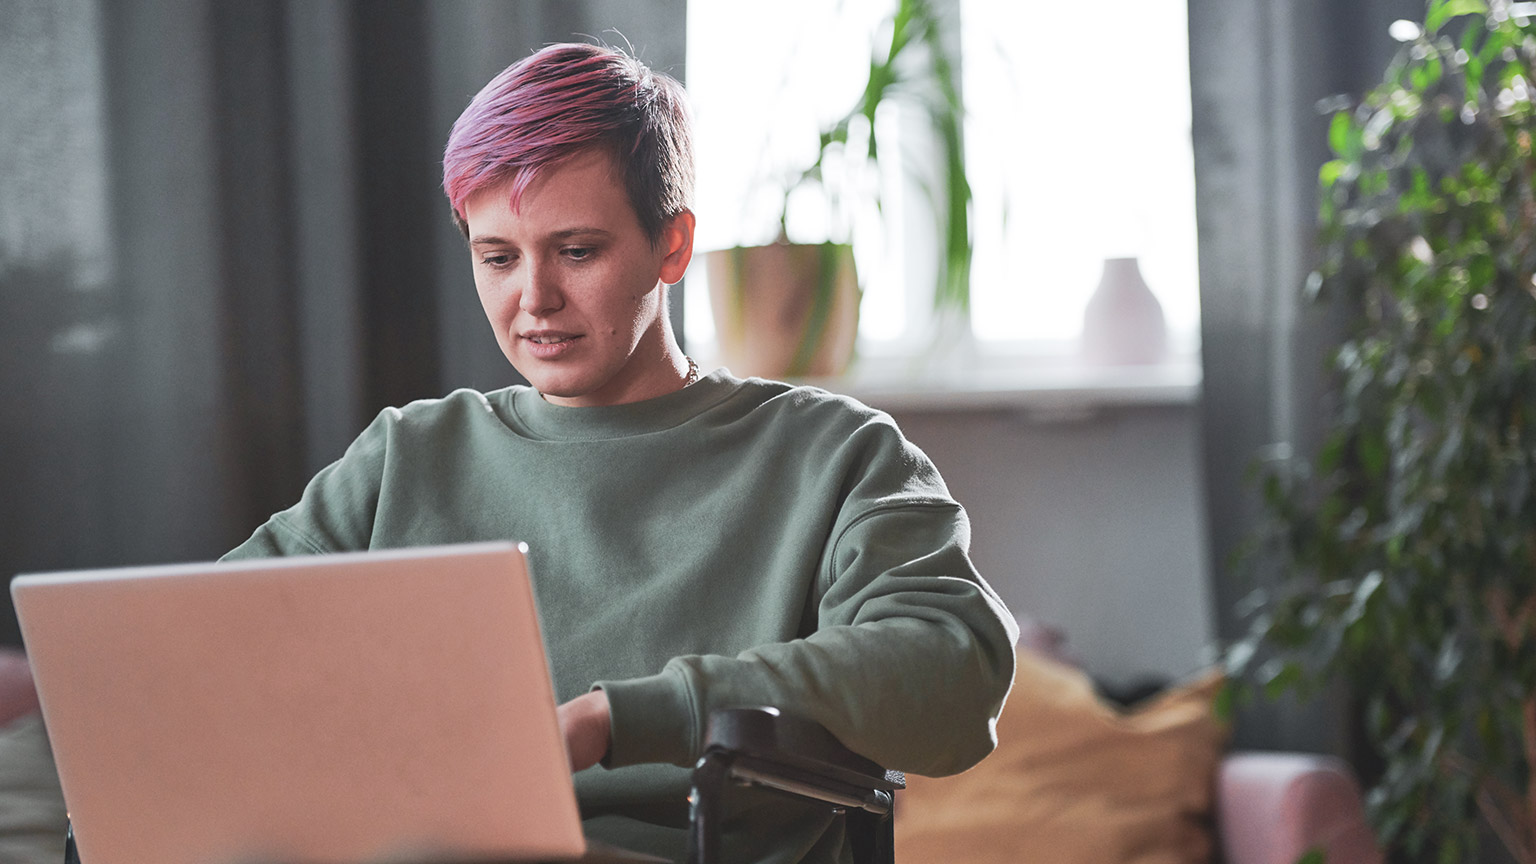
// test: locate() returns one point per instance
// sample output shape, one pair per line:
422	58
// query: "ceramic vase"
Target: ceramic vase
1123	322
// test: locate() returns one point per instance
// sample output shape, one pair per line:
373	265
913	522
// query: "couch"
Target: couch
1271	808
1081	778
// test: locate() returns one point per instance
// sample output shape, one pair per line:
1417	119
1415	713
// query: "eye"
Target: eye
578	253
496	260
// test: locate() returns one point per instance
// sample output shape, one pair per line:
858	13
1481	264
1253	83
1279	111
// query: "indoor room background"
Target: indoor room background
223	248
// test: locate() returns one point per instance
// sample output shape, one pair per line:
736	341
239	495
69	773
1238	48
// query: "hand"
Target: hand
585	723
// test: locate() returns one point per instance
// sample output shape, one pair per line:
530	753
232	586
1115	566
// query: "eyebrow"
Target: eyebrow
563	234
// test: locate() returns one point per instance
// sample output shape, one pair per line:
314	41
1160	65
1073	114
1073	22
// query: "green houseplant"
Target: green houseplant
1404	560
809	329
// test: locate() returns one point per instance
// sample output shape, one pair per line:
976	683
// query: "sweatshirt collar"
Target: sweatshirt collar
528	414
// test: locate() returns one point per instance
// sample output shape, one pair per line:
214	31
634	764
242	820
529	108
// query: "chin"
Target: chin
561	384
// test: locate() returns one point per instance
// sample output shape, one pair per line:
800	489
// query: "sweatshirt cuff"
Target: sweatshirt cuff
652	720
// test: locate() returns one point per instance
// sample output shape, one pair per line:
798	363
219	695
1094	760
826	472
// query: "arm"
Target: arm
911	655
336	511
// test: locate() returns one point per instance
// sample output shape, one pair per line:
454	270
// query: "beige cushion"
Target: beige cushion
32	819
1074	779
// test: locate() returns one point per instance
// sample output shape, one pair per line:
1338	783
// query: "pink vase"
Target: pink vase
1123	322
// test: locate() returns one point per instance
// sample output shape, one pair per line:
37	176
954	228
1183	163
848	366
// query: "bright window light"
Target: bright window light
1078	134
1091	136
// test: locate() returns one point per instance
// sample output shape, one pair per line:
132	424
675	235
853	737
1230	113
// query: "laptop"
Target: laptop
337	709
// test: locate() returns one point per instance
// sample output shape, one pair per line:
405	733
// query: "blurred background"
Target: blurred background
223	248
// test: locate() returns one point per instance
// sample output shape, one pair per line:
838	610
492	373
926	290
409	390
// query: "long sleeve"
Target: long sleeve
912	653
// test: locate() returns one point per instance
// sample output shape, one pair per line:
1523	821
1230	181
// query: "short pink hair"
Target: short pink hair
566	99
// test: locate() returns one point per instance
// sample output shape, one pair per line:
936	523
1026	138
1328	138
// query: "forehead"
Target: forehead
586	187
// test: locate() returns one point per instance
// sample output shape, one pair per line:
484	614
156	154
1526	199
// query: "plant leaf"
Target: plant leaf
1363	594
1441	11
1331	171
1345	136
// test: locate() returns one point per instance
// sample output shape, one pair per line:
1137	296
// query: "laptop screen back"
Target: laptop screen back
340	708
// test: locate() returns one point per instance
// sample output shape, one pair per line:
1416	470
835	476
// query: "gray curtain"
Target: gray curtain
1258	70
223	248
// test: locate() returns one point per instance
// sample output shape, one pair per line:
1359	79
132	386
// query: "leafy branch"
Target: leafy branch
1404	560
914	67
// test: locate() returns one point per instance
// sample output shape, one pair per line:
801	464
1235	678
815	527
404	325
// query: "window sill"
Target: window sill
1065	389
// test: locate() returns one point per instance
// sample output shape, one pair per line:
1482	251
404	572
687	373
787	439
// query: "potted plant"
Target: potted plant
1404	561
788	310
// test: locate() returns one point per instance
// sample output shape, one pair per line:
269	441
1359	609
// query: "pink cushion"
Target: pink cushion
17	695
1274	807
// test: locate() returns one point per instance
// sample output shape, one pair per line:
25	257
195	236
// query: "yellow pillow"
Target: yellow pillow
1075	780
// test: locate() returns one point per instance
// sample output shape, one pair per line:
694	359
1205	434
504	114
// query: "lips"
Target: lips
548	338
548	344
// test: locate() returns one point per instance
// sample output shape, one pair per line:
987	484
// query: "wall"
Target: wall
1094	524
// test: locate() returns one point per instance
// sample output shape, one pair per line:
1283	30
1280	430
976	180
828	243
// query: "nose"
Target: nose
541	294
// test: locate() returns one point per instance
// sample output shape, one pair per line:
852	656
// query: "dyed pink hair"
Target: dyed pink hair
565	99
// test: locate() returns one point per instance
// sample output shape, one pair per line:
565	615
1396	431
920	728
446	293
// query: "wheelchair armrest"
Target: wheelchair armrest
762	747
765	738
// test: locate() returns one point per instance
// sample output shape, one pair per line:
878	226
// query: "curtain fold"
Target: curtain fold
1258	69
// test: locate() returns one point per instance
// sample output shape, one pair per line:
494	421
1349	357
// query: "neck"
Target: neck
671	352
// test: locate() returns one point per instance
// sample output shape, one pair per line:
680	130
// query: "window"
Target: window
1079	121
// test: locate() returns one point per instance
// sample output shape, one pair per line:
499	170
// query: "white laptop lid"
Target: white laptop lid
338	708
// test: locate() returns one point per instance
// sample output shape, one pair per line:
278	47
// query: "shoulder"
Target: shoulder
458	411
862	444
458	419
463	403
810	408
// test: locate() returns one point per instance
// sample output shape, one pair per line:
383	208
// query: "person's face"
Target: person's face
572	286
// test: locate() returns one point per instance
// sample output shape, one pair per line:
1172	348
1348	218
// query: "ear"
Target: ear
677	242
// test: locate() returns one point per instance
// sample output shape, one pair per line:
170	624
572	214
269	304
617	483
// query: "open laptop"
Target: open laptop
359	707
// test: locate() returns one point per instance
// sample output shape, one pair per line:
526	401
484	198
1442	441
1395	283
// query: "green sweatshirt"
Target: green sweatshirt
738	542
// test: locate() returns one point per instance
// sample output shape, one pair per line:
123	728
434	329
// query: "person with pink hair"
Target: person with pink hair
697	541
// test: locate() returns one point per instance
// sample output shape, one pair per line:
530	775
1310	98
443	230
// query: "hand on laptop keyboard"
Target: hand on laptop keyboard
585	723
